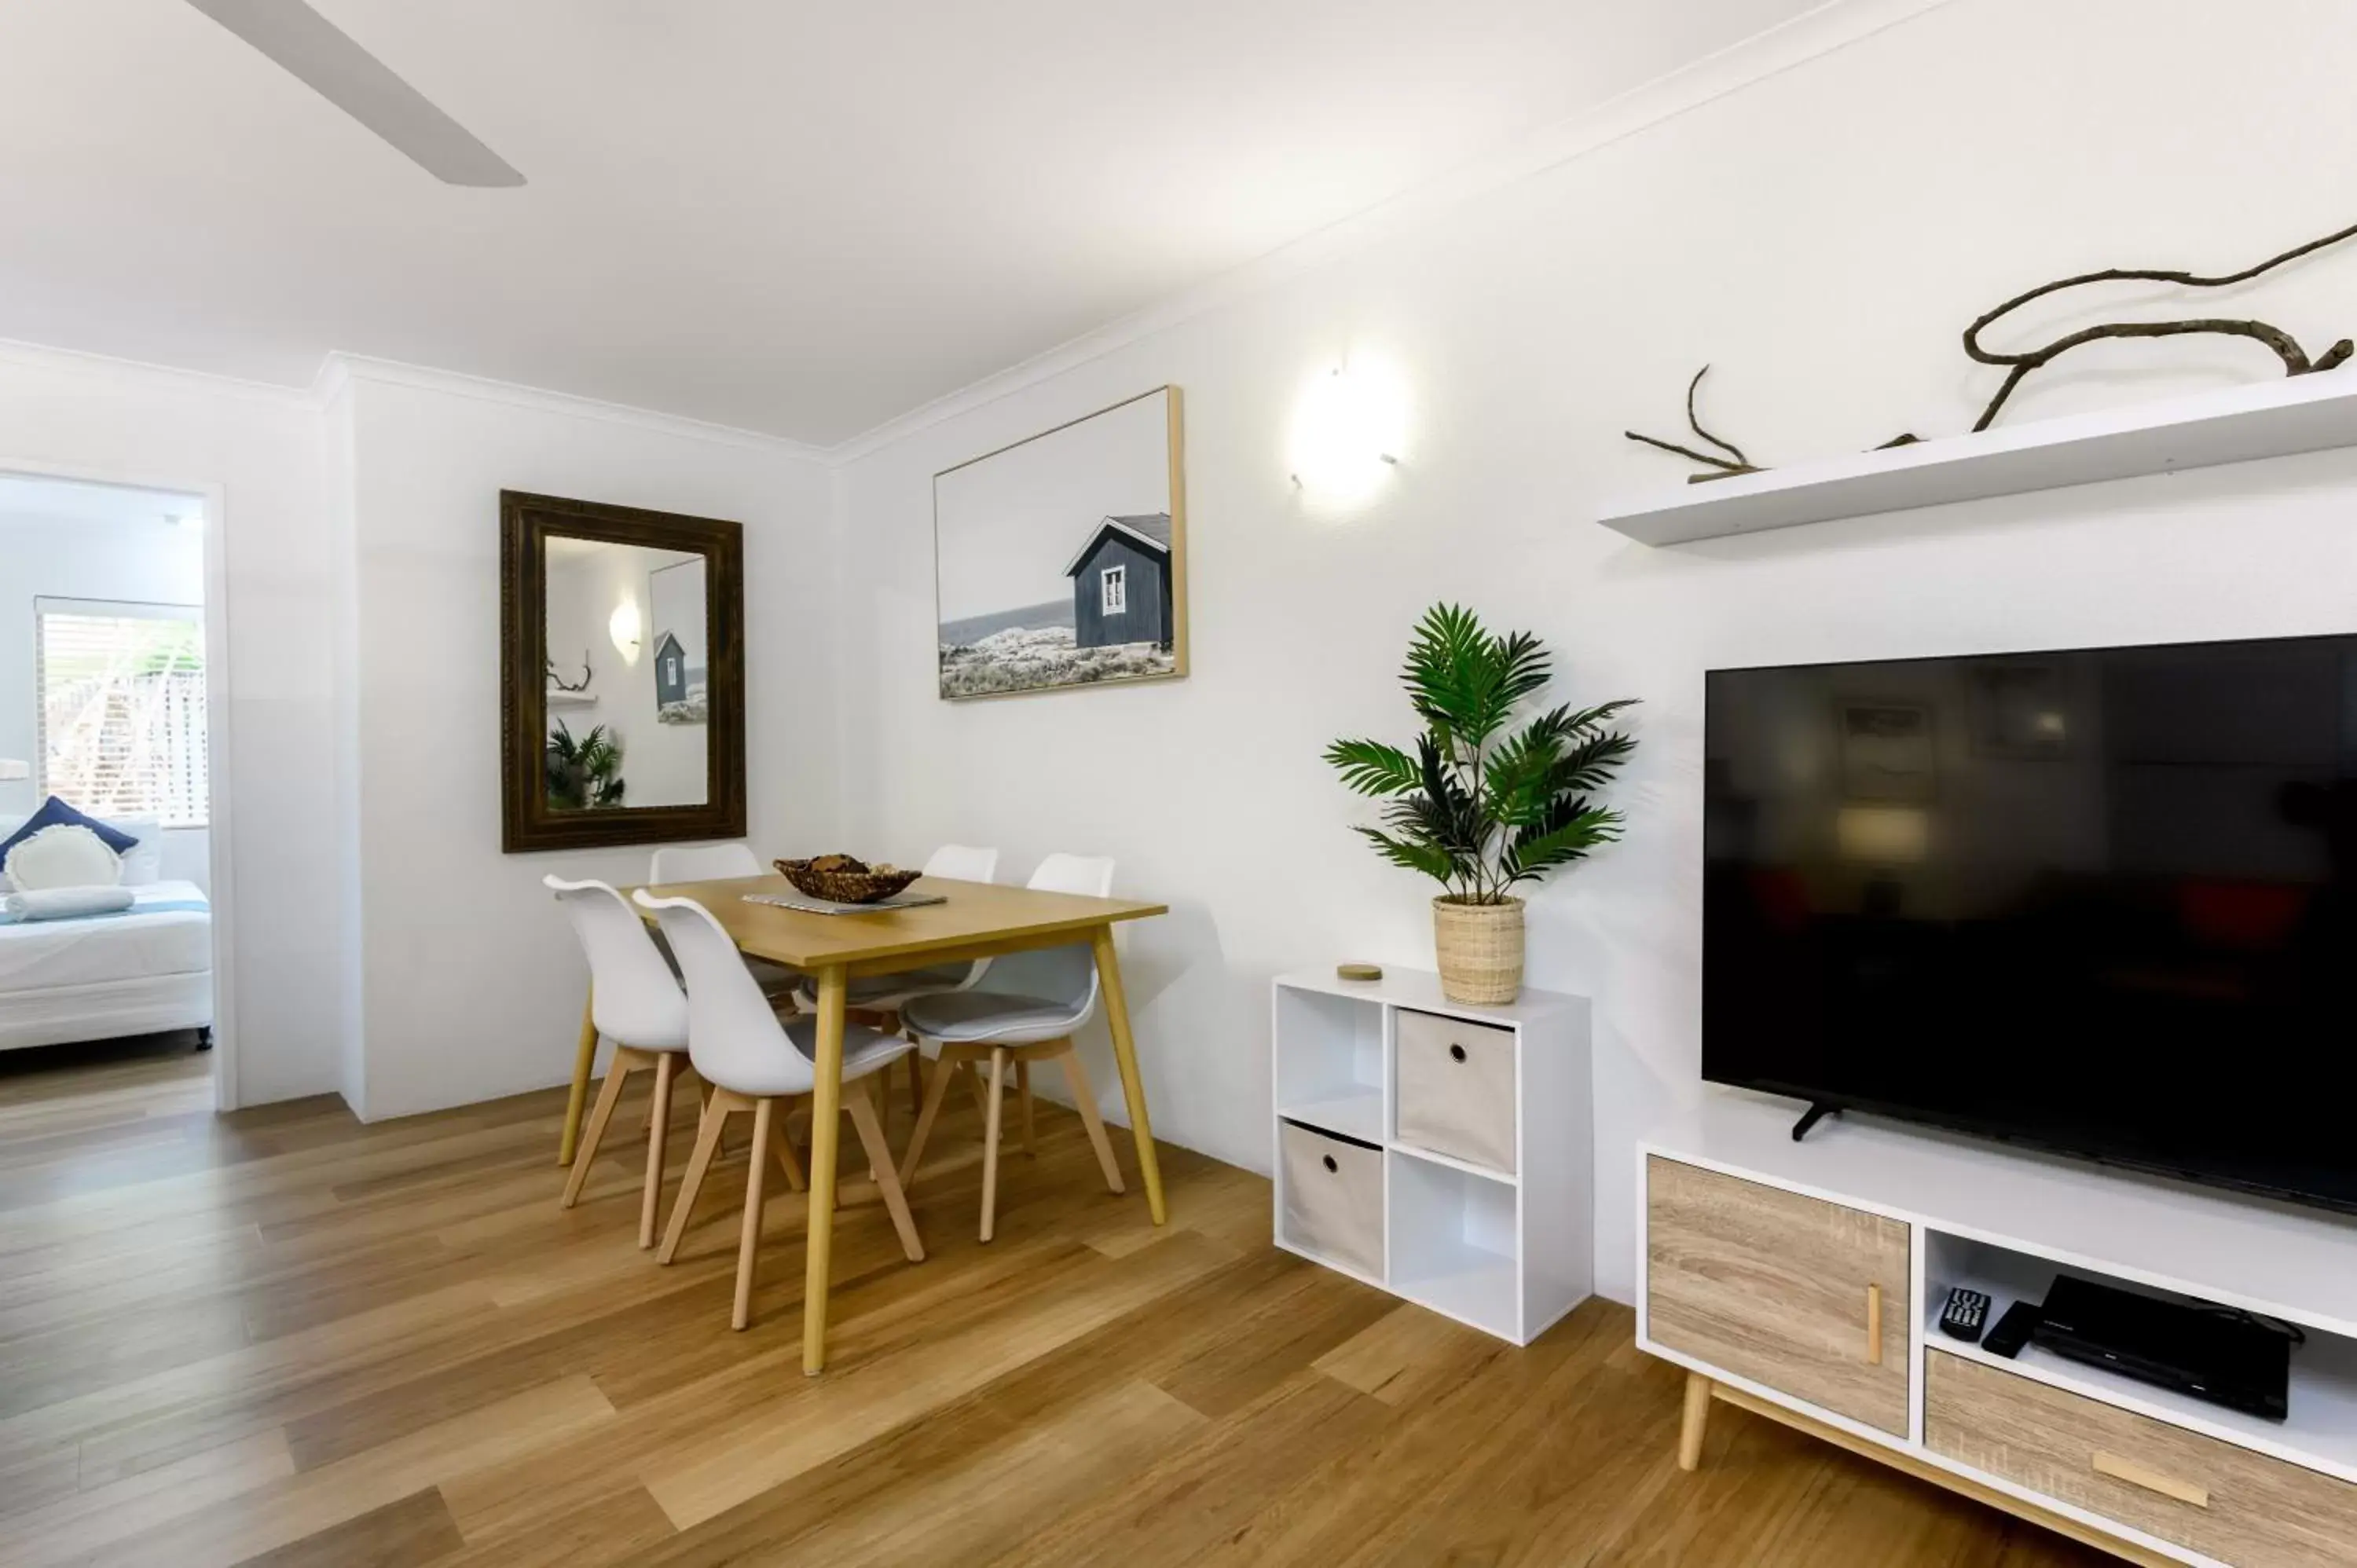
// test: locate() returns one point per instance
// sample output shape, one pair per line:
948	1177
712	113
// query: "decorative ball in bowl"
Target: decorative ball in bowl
845	879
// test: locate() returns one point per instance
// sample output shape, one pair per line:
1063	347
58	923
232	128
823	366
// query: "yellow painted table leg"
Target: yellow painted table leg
585	1062
826	1110
1124	1055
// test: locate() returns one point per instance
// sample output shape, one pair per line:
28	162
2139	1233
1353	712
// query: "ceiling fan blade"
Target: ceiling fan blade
325	59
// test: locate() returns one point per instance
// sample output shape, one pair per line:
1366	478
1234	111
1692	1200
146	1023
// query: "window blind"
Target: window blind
122	708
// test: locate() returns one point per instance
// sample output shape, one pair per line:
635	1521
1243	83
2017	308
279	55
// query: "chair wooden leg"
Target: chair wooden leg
707	1143
982	1097
1084	1101
748	1244
935	1093
608	1095
990	1143
1023	1093
870	1128
916	1083
781	1144
658	1137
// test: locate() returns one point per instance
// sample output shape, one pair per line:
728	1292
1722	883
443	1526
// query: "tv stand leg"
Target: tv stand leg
1695	1425
1815	1113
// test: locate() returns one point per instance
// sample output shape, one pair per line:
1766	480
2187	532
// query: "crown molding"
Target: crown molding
339	369
1805	37
165	378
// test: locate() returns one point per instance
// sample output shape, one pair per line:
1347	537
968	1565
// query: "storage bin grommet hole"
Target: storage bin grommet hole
1331	1165
1456	1053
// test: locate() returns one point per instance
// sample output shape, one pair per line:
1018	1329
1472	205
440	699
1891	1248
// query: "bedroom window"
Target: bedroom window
122	708
1116	591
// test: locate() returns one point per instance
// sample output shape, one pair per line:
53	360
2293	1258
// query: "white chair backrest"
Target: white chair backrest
1066	975
962	862
1089	874
733	1035
634	999
703	863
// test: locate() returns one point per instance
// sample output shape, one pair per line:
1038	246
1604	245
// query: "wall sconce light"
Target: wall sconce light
624	628
1346	431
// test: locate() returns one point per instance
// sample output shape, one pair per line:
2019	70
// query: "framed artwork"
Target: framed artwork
1062	561
1887	752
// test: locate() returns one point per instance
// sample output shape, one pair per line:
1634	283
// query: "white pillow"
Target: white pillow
143	863
8	826
65	854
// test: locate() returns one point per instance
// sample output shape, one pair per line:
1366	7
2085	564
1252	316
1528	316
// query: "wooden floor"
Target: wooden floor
282	1339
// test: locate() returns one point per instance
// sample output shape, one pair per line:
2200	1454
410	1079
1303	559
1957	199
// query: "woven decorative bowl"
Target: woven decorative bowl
842	879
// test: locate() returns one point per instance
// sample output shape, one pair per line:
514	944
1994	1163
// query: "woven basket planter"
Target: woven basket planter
1480	950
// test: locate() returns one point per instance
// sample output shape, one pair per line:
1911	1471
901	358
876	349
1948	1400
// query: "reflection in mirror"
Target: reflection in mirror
627	707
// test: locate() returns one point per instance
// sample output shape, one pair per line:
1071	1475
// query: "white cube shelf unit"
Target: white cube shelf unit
1438	1149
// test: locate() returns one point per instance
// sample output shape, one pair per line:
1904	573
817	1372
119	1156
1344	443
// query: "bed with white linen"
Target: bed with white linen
144	970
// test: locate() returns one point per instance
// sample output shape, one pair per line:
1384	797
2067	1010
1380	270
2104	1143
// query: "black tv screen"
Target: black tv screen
2103	901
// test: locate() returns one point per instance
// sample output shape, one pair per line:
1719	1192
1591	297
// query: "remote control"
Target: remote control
2012	1330
1966	1314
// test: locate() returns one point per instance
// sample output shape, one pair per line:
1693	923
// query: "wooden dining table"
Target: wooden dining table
974	921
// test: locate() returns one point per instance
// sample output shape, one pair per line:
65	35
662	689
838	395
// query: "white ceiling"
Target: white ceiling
796	218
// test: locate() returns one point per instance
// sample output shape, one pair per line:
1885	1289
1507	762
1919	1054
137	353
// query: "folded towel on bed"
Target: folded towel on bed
66	903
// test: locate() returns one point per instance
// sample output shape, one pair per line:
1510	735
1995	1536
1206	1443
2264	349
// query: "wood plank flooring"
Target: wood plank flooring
280	1337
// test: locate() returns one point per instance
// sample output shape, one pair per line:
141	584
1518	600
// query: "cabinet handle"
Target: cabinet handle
2136	1475
1874	1325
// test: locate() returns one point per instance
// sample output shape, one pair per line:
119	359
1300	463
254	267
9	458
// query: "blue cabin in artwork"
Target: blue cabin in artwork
1121	582
671	671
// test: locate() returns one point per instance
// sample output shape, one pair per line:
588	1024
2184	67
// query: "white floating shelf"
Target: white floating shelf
557	699
2267	419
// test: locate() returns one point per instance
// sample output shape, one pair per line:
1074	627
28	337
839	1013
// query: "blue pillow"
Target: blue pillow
54	811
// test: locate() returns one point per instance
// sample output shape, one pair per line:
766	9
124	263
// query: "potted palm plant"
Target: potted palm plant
1477	809
584	772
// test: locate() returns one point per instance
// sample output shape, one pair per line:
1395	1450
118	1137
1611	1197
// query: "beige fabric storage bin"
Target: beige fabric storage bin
1333	1197
1457	1089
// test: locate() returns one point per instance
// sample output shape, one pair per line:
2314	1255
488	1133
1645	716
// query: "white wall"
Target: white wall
469	983
1820	237
101	419
85	558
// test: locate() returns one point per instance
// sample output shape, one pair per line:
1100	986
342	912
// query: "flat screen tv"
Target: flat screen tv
2103	901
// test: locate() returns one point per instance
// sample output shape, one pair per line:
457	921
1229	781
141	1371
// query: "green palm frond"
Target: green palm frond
1371	767
1475	812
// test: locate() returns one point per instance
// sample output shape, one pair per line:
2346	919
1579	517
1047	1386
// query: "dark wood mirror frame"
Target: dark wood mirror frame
526	822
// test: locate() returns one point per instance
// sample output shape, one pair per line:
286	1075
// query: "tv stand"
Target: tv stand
1803	1284
1817	1112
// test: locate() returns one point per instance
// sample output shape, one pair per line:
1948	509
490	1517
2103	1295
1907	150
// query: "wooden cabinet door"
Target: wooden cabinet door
1799	1295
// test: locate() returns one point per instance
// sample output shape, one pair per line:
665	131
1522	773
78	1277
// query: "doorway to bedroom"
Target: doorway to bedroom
107	800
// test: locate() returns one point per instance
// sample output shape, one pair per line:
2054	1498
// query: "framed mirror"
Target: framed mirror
621	675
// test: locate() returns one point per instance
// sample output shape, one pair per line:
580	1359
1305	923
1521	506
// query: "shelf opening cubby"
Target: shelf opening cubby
1330	1063
1452	1238
2320	1428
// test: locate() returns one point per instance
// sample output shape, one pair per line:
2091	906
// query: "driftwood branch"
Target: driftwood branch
2019	366
559	681
1726	467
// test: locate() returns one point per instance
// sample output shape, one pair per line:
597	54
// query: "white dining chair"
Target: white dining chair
636	1003
676	862
1025	1009
754	1060
876	1001
704	863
